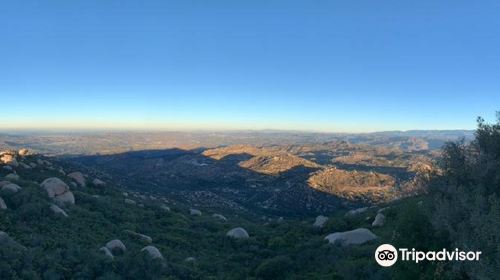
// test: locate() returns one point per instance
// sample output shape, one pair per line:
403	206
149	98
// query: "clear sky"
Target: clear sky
249	64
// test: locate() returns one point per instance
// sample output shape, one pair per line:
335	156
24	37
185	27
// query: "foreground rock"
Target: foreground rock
58	191
153	252
140	236
353	237
78	177
379	220
320	221
238	233
116	246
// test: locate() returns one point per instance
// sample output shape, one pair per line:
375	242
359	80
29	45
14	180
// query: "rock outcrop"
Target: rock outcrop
353	237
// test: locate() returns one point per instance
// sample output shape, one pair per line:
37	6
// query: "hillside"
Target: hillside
55	238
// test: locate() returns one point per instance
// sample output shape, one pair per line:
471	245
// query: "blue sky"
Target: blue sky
307	65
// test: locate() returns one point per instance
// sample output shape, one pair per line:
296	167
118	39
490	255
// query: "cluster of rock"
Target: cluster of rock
116	247
58	191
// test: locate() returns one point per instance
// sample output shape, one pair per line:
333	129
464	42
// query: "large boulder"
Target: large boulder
3	206
220	217
379	220
153	252
353	237
320	221
140	236
195	212
57	210
238	233
58	191
78	177
116	246
12	188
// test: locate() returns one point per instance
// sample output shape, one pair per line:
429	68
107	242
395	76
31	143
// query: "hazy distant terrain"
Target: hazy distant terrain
87	143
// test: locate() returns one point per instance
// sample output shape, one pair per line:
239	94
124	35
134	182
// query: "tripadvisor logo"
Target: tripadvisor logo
387	255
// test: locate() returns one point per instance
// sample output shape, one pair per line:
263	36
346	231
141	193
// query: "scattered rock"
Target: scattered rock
153	252
98	183
8	168
139	236
13	188
320	221
379	220
23	152
3	206
190	260
356	211
238	233
116	246
58	190
382	209
106	252
165	207
56	209
195	212
353	237
7	241
129	201
220	217
12	176
78	177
